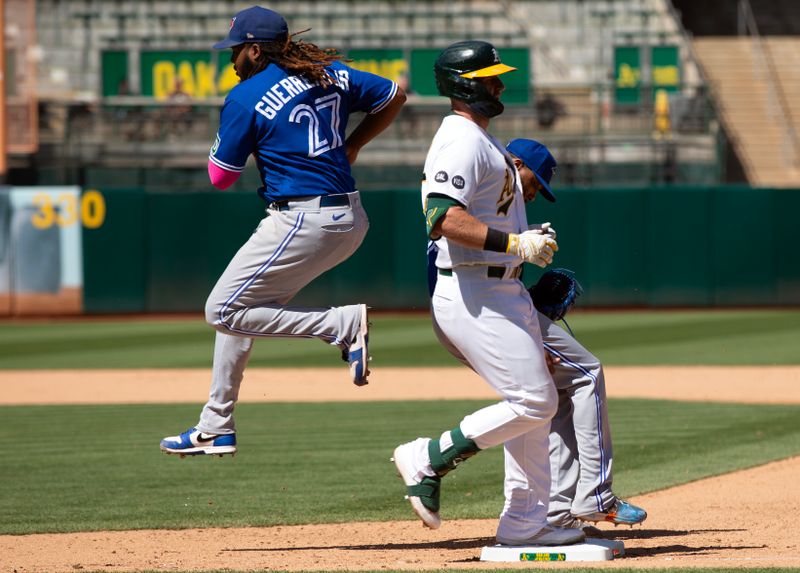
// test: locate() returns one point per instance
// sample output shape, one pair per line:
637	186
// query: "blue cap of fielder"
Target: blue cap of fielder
538	159
255	24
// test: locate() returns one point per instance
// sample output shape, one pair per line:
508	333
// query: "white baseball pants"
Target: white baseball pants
491	325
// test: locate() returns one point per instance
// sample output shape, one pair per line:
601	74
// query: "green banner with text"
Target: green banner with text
168	74
665	63
627	75
197	74
391	64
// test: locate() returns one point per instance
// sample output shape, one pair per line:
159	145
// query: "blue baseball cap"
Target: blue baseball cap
538	159
254	24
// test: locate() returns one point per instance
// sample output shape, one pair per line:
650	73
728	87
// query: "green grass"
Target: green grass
79	468
730	337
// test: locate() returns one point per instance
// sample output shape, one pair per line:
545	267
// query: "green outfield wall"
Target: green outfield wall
669	246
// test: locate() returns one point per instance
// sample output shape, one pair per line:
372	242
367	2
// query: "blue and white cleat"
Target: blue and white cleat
358	353
193	442
621	513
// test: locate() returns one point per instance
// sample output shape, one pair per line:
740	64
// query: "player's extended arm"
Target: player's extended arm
460	227
373	124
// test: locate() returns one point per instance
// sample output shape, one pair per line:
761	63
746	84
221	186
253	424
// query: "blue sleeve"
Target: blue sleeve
368	92
236	137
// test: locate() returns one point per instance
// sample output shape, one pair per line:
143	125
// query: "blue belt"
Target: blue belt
335	200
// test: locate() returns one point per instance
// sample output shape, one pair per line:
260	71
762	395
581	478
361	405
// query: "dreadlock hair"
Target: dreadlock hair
300	58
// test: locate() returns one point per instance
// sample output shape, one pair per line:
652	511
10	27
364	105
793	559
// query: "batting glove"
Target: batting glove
532	247
544	229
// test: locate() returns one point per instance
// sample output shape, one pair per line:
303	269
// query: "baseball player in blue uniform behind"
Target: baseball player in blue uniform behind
581	451
290	112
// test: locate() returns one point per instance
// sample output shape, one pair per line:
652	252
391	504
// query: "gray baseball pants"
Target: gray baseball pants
581	454
294	244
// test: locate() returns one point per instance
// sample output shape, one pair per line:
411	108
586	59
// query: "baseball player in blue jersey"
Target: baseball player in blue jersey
581	452
290	112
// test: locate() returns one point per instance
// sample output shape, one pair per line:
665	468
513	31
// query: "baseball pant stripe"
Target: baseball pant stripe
585	372
278	252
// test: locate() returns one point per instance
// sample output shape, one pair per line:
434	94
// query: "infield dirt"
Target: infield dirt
743	519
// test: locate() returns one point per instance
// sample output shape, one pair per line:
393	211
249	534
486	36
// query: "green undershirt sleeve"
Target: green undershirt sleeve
435	207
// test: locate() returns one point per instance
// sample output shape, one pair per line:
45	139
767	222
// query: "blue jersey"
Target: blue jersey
296	129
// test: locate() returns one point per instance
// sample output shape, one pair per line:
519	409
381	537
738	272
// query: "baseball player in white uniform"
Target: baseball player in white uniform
581	451
474	207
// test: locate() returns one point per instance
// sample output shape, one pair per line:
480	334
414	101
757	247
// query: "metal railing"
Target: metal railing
777	101
553	112
590	138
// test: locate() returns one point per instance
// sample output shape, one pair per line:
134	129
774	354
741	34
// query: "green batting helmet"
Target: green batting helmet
457	69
